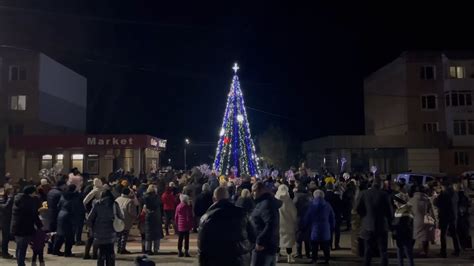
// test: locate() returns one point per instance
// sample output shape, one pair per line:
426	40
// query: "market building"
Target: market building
43	108
419	116
96	155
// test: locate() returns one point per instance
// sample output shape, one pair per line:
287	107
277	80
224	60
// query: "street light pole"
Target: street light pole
186	143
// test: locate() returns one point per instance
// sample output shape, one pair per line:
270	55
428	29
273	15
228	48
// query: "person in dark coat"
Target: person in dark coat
320	218
232	248
203	201
66	221
402	229
79	218
348	197
375	209
5	221
101	220
265	219
447	204
302	201
246	183
335	200
53	197
153	221
245	201
25	221
464	225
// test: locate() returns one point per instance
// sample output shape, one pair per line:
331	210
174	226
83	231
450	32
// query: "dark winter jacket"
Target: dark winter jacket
53	197
265	219
320	218
375	210
217	244
336	203
101	219
402	224
25	215
67	217
39	241
302	200
153	221
6	213
447	204
246	203
203	202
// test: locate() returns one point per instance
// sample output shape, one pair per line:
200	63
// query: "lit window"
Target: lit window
46	161
18	102
461	158
427	72
17	73
429	102
456	72
78	161
59	159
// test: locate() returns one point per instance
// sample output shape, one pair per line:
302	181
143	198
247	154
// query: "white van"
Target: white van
414	178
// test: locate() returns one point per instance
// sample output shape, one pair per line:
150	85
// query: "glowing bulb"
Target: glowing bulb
222	132
240	118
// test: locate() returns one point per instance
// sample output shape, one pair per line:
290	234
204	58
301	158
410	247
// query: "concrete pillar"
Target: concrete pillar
67	161
137	160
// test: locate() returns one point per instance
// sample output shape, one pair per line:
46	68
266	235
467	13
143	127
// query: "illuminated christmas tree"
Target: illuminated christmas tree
235	153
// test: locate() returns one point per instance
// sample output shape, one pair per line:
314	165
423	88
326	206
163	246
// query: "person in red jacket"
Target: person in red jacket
184	221
169	206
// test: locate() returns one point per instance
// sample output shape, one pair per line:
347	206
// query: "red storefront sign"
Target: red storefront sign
87	141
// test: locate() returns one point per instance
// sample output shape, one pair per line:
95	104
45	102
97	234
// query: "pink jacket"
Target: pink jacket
184	217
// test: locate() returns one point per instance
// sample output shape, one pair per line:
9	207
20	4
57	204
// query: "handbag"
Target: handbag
428	220
119	224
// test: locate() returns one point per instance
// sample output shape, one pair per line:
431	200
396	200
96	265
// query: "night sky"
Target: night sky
164	70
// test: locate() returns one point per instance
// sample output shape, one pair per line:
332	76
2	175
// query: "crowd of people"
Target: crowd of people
239	221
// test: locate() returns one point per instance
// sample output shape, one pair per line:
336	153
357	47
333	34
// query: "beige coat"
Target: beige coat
288	222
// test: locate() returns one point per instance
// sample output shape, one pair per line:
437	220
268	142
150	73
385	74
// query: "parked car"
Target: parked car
414	178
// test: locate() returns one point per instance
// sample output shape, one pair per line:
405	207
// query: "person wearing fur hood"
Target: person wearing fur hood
288	223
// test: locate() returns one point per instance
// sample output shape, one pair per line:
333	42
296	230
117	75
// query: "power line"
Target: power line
268	113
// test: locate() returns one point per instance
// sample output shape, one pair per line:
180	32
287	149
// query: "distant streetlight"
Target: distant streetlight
186	143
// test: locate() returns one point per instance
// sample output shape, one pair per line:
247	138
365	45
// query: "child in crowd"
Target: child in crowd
184	221
38	242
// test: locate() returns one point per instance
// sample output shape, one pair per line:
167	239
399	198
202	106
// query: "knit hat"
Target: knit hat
401	198
44	181
28	190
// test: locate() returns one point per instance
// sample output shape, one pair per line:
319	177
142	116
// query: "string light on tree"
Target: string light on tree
235	147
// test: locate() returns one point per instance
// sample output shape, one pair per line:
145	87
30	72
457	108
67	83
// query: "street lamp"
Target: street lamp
186	143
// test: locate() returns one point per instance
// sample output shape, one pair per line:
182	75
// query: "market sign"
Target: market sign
94	141
86	141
